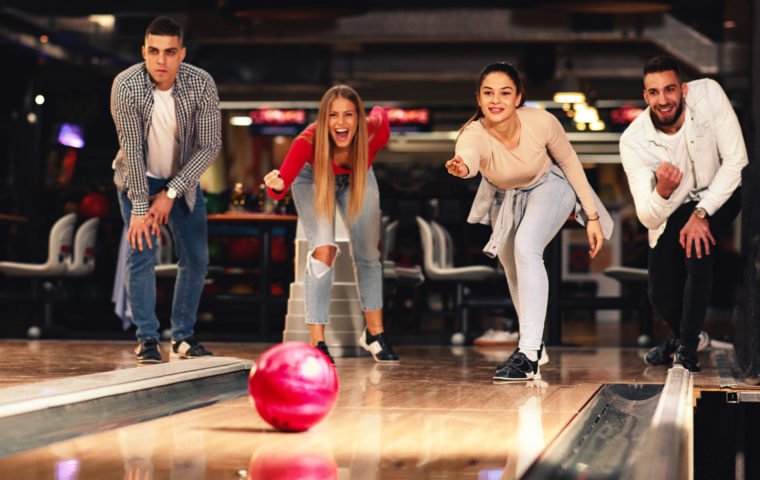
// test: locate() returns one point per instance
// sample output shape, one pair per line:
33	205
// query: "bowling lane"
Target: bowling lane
437	414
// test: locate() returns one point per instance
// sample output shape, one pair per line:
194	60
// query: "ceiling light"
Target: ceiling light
241	121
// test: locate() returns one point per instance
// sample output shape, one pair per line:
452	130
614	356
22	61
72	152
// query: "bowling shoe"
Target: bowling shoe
323	347
378	346
517	367
148	351
543	358
687	358
660	355
188	348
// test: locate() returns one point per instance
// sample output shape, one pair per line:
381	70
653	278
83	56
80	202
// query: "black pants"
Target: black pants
680	288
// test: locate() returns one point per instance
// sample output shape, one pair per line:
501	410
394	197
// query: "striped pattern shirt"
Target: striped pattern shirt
198	123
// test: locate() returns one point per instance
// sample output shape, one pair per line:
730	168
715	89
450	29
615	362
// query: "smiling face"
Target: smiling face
665	95
498	97
163	54
342	122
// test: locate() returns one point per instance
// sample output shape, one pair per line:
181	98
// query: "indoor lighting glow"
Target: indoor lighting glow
105	22
586	115
596	126
569	97
39	99
241	121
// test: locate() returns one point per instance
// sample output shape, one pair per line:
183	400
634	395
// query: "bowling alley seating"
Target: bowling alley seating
637	279
410	276
438	266
82	262
52	270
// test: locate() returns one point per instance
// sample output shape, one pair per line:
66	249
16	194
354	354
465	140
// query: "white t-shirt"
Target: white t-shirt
680	157
163	137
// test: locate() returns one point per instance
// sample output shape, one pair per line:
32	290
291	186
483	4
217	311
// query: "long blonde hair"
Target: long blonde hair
324	178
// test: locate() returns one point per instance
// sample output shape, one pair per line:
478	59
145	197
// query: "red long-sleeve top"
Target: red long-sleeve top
302	149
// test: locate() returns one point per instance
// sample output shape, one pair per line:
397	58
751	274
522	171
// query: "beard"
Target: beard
666	123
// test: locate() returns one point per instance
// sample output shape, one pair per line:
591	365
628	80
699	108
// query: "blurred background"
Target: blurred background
272	62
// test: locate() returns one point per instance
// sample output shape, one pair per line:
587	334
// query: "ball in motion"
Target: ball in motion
293	386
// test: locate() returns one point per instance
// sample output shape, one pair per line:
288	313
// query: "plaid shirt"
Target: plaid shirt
198	122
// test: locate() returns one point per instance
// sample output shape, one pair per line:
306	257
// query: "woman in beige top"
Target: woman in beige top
532	180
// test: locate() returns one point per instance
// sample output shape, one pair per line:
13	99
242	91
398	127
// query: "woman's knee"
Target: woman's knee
324	254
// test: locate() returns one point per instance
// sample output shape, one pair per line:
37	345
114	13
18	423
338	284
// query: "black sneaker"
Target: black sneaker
378	346
188	348
687	358
148	352
660	355
517	367
323	347
543	358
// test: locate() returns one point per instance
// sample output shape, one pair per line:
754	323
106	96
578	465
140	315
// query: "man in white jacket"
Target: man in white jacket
683	156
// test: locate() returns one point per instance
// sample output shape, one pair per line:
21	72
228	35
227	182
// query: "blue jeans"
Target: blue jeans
191	245
365	238
548	206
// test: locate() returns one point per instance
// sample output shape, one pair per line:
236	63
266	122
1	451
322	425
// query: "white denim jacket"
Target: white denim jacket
715	145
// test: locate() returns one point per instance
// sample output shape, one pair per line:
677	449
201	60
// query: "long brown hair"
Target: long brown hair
502	67
324	178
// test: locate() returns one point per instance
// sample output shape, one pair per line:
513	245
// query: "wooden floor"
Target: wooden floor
435	415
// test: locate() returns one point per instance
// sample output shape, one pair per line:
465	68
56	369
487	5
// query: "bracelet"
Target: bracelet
593	219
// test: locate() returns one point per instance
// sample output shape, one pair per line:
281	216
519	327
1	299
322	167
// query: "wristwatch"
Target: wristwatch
700	213
171	193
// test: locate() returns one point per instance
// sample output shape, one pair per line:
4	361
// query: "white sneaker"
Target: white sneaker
497	337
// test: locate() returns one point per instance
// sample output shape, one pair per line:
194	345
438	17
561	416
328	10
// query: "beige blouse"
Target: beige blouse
542	139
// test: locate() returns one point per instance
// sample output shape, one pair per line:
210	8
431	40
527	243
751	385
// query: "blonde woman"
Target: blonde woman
329	165
532	181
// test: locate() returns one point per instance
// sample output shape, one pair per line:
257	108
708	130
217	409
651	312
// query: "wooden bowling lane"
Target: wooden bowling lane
437	414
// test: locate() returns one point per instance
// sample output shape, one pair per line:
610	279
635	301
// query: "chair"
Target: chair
438	265
82	262
59	253
637	279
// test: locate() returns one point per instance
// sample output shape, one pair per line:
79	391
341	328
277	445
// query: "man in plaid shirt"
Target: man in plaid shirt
168	122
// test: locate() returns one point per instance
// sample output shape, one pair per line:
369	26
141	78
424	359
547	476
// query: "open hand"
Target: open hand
595	237
696	233
457	167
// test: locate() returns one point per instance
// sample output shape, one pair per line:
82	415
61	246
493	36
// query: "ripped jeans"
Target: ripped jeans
365	238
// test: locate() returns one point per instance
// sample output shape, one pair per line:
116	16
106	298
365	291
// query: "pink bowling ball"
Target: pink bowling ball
293	386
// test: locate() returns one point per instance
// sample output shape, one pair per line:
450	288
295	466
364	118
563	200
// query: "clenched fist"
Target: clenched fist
668	178
274	181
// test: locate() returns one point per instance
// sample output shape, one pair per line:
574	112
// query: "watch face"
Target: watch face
701	212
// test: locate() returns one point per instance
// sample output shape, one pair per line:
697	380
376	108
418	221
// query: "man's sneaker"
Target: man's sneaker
497	337
660	355
323	347
704	341
148	352
378	346
543	358
517	367
188	348
687	358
